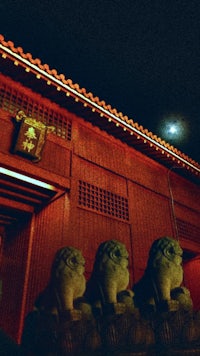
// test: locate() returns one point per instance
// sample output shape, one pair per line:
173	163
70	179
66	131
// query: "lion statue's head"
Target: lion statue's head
67	281
67	259
165	249
110	273
163	275
111	252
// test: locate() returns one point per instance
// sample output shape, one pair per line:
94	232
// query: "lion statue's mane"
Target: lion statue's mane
163	276
67	281
110	275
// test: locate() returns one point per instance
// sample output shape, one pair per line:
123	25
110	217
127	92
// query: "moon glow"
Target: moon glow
174	129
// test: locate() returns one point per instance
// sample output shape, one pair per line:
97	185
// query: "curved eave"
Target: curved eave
99	113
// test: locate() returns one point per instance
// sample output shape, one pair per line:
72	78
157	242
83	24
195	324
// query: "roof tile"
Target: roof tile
94	99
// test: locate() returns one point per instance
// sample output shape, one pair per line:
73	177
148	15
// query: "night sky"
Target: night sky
142	57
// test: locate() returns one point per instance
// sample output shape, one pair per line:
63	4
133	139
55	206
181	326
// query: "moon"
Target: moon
174	128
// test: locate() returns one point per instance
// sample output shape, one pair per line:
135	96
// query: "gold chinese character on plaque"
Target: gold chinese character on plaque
31	136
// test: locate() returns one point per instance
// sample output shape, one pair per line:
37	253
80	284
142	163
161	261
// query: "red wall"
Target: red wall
13	271
105	164
192	280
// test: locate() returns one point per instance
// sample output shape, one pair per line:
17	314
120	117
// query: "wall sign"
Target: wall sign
31	136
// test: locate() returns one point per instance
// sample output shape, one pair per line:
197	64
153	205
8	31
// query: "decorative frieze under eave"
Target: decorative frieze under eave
76	99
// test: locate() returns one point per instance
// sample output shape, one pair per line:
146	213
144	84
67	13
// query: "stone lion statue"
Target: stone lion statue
110	275
161	284
67	282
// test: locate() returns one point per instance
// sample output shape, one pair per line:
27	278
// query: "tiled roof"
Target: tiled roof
17	55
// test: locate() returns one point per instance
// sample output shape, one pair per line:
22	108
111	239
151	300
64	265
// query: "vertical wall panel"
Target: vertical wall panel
192	280
49	226
14	259
106	151
7	128
184	212
56	156
87	229
93	229
94	174
184	192
98	147
151	218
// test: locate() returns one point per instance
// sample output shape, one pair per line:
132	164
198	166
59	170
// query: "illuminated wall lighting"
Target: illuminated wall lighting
27	179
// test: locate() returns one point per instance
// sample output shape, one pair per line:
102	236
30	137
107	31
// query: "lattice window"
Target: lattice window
103	201
187	230
12	100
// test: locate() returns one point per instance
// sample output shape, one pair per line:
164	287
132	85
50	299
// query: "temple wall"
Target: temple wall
110	191
14	263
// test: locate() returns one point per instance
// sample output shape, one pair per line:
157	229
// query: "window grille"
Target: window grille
187	230
13	100
103	201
